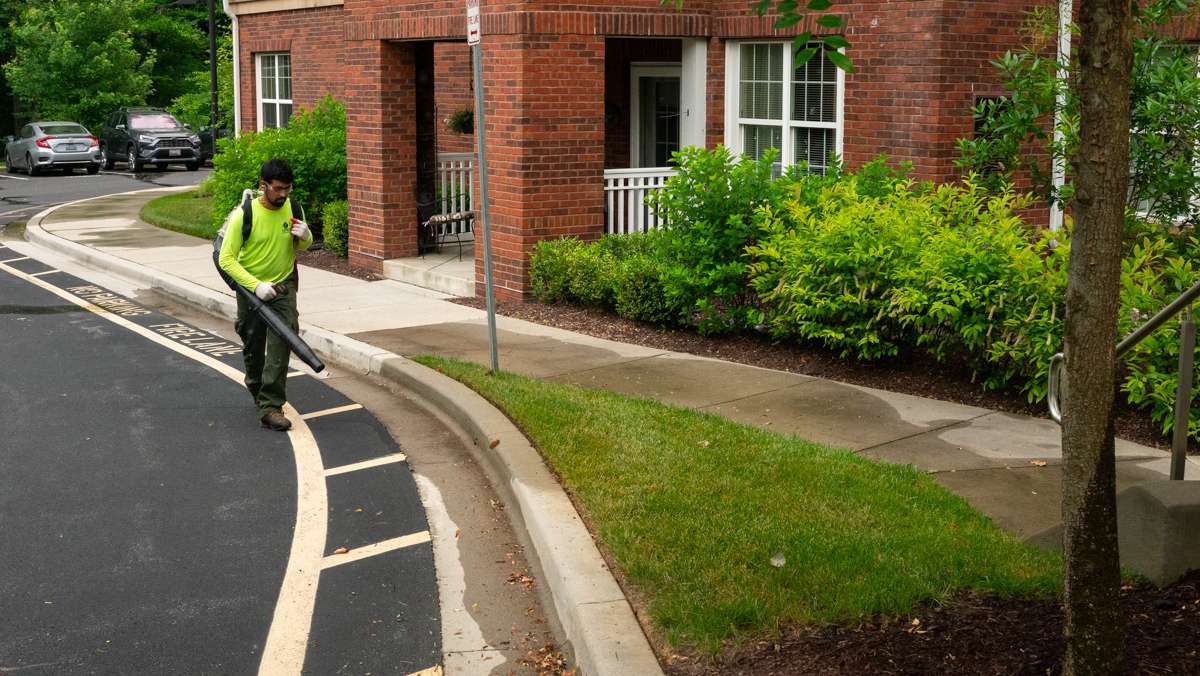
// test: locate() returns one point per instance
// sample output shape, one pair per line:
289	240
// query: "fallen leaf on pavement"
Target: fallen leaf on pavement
340	550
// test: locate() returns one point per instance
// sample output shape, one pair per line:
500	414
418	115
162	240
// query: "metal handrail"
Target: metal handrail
1183	391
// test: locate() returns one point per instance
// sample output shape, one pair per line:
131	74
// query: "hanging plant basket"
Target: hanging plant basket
462	122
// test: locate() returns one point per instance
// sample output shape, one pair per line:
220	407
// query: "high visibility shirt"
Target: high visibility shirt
269	256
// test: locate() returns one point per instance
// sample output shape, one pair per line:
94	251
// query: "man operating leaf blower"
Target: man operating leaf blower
258	260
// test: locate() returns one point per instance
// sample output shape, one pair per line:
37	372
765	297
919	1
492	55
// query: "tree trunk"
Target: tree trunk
1094	626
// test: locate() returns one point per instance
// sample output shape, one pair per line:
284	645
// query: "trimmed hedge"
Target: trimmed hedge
872	265
335	222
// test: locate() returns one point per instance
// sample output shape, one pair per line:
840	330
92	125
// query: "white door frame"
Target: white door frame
636	72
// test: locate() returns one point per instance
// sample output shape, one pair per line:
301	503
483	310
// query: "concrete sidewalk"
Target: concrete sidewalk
1006	466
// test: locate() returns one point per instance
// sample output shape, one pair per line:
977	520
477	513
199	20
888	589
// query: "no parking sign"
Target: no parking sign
472	22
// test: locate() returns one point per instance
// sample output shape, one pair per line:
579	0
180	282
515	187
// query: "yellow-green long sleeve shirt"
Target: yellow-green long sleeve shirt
270	254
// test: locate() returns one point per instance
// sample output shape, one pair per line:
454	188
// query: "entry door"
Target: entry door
656	107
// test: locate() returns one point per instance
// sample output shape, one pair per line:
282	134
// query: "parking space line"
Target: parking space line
15	178
43	272
367	464
375	549
331	411
431	671
14	260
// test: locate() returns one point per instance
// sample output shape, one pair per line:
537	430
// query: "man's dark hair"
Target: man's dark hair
276	169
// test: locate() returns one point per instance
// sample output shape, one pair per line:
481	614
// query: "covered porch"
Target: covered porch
653	104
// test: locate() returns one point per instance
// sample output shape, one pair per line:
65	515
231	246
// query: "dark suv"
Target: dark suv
142	136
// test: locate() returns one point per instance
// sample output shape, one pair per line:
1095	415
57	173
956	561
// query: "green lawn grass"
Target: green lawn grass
693	507
186	212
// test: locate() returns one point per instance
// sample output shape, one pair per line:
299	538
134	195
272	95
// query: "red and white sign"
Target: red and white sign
473	22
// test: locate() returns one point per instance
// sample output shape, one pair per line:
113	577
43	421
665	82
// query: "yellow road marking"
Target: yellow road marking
431	671
331	411
44	272
14	260
375	549
367	464
287	640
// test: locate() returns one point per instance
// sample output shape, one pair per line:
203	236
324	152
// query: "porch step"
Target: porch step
437	270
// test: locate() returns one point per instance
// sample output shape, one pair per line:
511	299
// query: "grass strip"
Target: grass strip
186	212
693	508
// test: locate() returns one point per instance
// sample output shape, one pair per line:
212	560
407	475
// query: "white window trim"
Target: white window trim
258	94
733	122
637	71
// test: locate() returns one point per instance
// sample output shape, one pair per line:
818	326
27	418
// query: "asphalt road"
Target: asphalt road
149	525
22	196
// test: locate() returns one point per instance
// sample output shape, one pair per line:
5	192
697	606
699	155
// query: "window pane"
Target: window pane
285	113
270	116
267	81
761	90
814	96
758	138
813	146
284	73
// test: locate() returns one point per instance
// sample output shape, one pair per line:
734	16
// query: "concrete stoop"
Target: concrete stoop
443	270
1158	525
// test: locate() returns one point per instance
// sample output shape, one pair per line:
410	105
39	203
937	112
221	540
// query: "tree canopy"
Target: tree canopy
81	59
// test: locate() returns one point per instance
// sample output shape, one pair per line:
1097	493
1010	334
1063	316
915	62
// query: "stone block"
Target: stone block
1158	526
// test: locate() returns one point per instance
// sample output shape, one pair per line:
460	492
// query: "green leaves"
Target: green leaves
1165	106
790	14
76	60
314	143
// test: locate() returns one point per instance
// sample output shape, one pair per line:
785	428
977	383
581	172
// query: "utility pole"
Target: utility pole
212	64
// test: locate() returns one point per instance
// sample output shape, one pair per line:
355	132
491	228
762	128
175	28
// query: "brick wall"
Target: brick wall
381	166
313	37
545	132
552	66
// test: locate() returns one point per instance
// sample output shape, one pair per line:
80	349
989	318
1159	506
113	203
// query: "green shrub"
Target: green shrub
1152	275
550	269
986	287
313	143
592	276
825	271
639	292
708	209
335	220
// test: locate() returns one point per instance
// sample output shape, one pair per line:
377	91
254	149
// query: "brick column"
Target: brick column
545	129
381	167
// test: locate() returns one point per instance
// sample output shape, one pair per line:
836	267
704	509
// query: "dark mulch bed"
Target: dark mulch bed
975	635
320	257
918	375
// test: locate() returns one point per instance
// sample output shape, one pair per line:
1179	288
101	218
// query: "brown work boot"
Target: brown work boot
275	420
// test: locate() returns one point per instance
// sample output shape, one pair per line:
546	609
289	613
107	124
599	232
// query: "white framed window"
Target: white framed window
770	102
274	89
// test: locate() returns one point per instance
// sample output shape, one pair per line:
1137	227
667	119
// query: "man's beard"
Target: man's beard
276	203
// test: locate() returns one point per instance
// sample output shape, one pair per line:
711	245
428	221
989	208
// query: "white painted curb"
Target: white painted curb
597	619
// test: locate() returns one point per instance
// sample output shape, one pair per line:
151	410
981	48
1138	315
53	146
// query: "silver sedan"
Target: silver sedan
41	146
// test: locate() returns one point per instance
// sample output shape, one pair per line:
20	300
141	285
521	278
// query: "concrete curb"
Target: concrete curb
595	615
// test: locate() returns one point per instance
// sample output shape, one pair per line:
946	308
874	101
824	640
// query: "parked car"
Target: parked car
142	136
41	146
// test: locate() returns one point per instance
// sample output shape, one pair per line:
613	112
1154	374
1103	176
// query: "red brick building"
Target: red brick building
580	93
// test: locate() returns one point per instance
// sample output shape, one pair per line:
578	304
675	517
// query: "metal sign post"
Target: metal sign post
473	34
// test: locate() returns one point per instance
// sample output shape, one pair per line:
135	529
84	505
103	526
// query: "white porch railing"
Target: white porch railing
625	193
455	189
